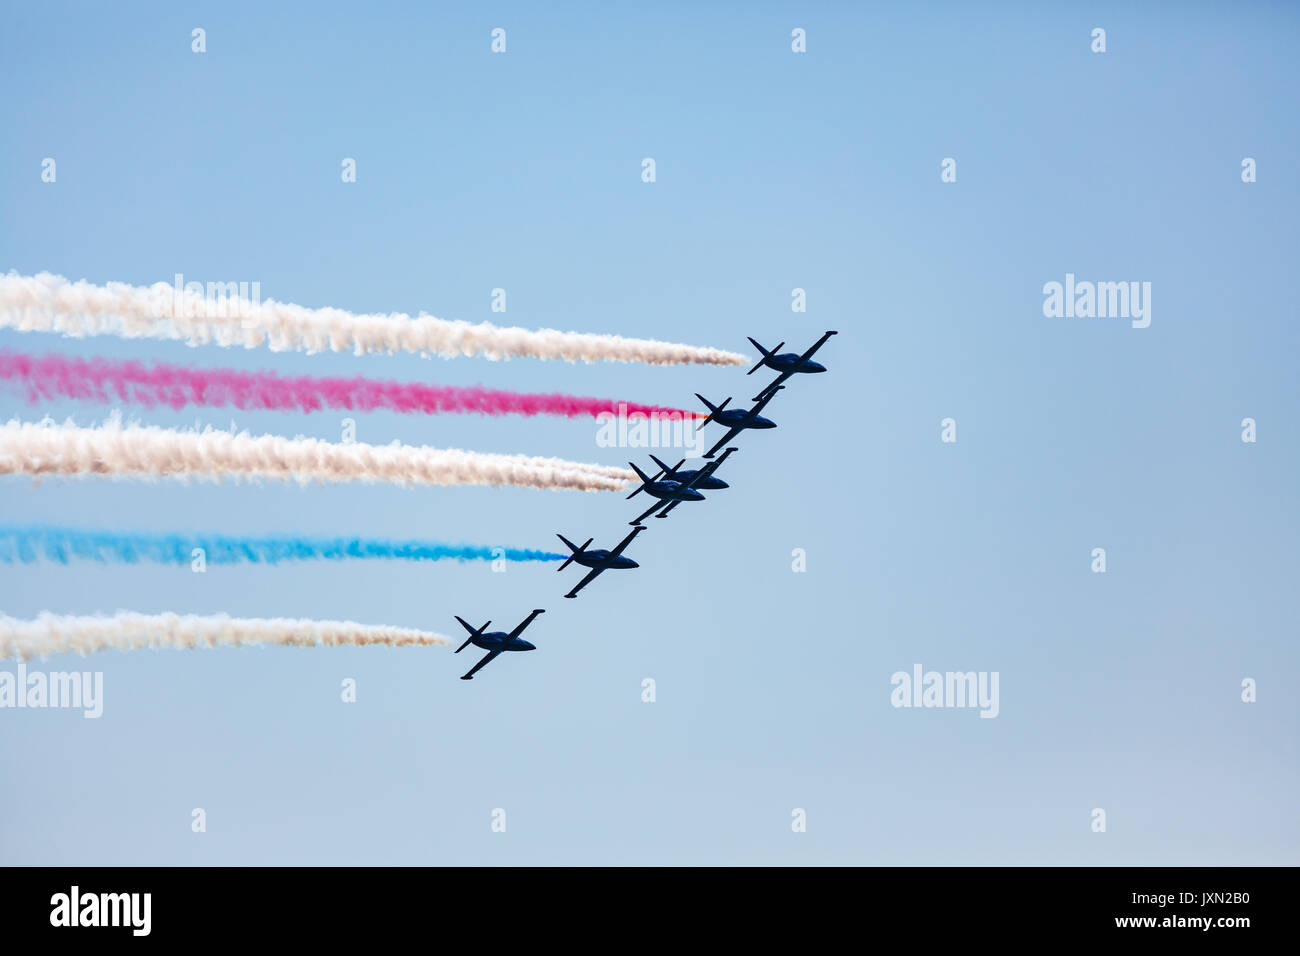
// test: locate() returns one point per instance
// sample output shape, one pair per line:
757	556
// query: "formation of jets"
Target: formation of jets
669	487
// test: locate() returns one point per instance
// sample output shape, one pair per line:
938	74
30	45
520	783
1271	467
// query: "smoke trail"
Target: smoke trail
148	451
31	543
50	303
103	380
127	631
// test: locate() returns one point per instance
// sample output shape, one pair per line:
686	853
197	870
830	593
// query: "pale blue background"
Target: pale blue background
774	171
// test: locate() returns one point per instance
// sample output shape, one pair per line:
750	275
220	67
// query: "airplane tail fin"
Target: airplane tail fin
645	480
713	409
767	353
664	469
473	633
576	549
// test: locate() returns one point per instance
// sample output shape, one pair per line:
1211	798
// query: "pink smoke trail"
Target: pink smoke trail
105	380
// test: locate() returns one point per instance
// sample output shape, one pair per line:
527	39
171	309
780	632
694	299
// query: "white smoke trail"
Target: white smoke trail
50	634
50	303
115	449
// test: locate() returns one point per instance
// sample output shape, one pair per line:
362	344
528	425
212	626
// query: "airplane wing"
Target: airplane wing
648	512
524	623
625	542
818	344
773	385
671	506
723	440
488	658
771	393
587	579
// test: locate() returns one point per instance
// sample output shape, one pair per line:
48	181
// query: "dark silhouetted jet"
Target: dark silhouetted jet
736	420
787	363
496	641
663	488
692	477
670	489
599	560
704	475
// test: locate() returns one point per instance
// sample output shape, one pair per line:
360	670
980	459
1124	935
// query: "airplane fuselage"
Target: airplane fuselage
501	641
736	418
603	559
672	491
704	484
789	362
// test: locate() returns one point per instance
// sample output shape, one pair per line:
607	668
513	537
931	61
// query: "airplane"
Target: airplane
705	473
670	489
598	561
787	363
663	488
690	476
495	642
737	419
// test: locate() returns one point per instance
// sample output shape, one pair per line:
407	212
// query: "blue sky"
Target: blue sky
775	170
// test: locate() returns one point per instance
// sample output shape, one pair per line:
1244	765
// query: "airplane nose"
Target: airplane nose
720	484
524	645
816	367
632	564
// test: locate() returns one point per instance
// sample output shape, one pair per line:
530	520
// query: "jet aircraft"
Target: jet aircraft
690	476
736	420
495	642
667	486
598	560
787	363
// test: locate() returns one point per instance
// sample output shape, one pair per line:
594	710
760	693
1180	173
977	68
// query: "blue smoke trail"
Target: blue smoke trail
28	544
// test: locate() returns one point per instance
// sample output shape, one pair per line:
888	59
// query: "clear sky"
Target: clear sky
775	171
